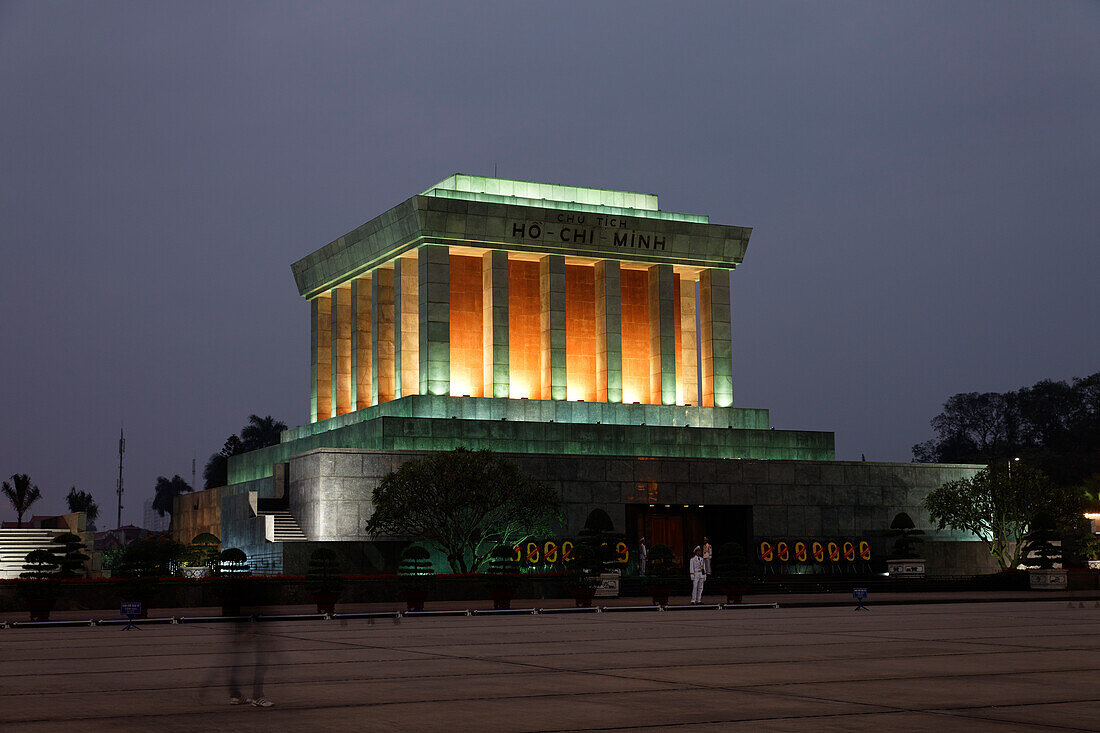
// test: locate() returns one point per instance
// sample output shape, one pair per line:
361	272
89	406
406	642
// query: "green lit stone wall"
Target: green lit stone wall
444	432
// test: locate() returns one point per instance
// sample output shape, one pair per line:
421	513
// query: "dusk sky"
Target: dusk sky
922	180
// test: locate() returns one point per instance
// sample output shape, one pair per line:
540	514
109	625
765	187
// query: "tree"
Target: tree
166	492
40	565
1002	509
463	503
216	472
82	501
22	494
260	432
1054	425
150	557
70	557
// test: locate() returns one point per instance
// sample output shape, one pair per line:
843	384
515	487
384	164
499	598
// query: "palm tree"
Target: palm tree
166	492
261	432
21	495
82	501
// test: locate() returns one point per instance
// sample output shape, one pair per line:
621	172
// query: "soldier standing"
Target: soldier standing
698	576
642	554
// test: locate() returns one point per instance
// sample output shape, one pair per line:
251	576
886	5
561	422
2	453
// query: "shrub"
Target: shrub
70	559
324	569
503	568
204	550
661	562
232	563
731	565
415	571
150	557
40	565
908	536
415	560
585	568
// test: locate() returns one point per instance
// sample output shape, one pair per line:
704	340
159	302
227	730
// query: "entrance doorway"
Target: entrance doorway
683	527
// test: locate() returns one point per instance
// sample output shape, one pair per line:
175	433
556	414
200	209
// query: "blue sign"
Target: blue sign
859	593
131	608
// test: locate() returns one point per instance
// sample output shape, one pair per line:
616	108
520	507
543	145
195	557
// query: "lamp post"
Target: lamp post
1010	466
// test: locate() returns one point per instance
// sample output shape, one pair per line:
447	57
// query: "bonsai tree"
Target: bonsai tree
1040	542
503	576
40	592
731	565
70	559
660	569
40	565
232	570
584	573
414	576
908	537
232	563
324	579
204	549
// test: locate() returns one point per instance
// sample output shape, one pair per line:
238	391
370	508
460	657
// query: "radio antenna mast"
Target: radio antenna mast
121	450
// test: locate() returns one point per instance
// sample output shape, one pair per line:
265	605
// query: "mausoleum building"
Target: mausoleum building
584	332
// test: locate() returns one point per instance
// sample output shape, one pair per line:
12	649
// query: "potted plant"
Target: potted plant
584	574
731	565
503	577
414	576
904	559
661	568
324	579
40	589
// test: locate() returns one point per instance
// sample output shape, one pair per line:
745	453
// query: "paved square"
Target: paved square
987	666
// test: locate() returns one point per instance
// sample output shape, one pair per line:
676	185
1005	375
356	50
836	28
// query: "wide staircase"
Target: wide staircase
16	543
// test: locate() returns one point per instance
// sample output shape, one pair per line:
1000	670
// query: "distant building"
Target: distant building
153	521
109	538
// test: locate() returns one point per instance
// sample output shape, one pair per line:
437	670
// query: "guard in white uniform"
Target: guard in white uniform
698	572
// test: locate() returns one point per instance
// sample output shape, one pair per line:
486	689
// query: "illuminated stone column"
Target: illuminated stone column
662	335
494	318
716	340
340	350
609	335
552	326
361	348
689	349
406	349
434	320
320	318
382	336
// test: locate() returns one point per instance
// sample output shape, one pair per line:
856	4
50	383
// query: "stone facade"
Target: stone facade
330	491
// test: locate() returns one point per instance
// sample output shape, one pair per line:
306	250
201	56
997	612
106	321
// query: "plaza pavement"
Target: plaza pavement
960	666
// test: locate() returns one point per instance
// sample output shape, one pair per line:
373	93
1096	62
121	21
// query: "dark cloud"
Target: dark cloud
921	179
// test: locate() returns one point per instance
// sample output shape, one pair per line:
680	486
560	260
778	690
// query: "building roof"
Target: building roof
478	212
